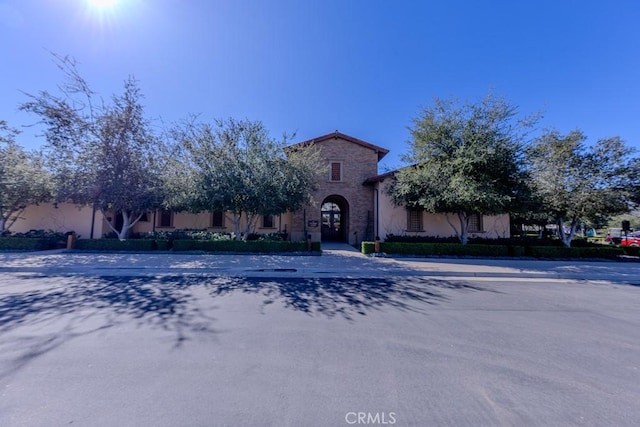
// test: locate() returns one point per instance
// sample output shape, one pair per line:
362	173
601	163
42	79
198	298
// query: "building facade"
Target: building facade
349	205
343	207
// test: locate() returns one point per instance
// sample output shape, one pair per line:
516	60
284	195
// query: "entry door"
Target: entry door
332	222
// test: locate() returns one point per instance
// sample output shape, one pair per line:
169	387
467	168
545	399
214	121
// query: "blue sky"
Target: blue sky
363	67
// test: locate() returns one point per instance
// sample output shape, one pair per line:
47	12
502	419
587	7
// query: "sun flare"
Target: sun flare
102	4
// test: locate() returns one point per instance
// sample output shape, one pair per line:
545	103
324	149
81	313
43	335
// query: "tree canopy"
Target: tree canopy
235	166
23	179
580	183
101	153
466	159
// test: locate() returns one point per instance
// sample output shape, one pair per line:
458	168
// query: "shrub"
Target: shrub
367	247
254	246
481	250
34	240
116	245
43	234
516	251
132	235
163	245
631	250
393	238
437	249
27	244
186	234
580	252
503	241
277	236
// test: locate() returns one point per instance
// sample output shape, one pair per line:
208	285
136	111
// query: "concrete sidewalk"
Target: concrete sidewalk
337	260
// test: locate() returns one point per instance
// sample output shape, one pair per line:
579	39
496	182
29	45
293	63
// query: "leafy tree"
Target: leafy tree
23	179
234	166
102	154
467	159
577	183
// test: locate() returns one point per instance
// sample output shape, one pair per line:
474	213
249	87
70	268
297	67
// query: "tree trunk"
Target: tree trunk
566	239
572	231
124	232
127	224
237	216
12	216
464	225
251	219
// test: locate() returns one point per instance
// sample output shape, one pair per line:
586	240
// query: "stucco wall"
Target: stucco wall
358	164
202	221
62	217
393	220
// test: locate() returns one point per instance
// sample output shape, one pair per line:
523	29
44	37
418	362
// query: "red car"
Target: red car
631	240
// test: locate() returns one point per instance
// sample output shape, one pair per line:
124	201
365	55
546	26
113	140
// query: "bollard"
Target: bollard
376	245
71	240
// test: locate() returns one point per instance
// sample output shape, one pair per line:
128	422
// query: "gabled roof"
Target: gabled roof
335	135
378	178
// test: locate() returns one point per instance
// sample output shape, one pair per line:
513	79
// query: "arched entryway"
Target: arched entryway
334	214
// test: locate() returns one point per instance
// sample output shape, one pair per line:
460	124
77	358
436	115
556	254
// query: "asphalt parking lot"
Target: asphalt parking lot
209	349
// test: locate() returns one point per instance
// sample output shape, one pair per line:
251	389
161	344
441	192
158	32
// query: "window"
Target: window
267	221
475	224
144	217
217	219
414	220
336	171
165	219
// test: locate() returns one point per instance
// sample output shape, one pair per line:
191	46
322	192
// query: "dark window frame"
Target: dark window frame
217	224
475	224
339	171
162	216
266	219
415	220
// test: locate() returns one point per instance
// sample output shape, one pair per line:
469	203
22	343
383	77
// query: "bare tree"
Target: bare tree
101	153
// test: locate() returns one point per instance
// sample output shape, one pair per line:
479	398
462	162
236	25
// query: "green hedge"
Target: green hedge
116	245
631	250
435	249
517	251
26	244
255	246
164	245
480	250
564	252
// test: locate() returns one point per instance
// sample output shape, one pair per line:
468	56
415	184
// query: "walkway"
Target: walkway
337	260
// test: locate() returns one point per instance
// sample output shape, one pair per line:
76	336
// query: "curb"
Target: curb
297	273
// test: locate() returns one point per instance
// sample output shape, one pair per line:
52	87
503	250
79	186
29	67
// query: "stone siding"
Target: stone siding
358	164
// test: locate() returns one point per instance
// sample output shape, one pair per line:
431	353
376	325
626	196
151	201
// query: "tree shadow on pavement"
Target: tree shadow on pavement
66	307
39	314
344	297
